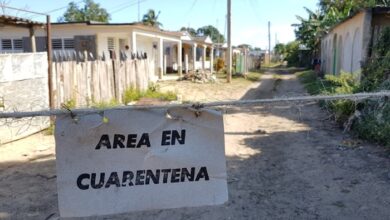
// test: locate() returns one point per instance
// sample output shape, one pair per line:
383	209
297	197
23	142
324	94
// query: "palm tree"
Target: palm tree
151	19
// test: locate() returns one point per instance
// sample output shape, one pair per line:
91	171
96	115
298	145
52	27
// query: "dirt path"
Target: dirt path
284	162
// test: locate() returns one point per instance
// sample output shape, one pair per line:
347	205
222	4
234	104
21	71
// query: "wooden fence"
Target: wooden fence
99	81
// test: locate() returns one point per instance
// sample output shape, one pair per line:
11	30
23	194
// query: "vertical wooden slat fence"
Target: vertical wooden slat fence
99	81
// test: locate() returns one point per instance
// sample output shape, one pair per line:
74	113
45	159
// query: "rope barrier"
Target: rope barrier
74	112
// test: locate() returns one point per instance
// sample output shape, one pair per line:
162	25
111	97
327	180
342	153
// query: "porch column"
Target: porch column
211	59
134	43
194	56
32	40
186	63
161	58
180	59
204	58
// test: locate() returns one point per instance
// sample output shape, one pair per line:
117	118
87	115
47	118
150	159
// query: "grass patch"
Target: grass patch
50	130
253	76
250	76
132	95
102	105
271	65
312	84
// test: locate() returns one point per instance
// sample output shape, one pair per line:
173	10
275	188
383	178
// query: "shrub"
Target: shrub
220	64
130	95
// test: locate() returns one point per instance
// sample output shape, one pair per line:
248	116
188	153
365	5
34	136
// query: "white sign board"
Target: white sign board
130	160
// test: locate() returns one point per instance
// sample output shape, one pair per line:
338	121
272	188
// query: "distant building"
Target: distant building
104	39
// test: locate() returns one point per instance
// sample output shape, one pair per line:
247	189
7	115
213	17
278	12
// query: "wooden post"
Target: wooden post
49	60
229	41
114	73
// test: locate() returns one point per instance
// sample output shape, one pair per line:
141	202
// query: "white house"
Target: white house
348	44
180	49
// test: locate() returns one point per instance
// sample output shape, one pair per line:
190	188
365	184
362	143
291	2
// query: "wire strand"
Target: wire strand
198	106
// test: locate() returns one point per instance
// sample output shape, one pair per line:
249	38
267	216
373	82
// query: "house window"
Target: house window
56	44
62	43
18	44
68	43
12	45
6	44
111	43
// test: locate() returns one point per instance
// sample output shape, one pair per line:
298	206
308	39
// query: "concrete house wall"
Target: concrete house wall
349	44
346	45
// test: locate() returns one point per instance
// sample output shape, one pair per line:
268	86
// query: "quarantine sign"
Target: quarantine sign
129	160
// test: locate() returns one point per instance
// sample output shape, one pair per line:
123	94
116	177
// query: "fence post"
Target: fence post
114	70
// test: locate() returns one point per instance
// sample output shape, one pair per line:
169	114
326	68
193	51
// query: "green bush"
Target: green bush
372	116
131	95
374	123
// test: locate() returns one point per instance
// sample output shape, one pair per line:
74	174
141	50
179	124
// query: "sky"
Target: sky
249	17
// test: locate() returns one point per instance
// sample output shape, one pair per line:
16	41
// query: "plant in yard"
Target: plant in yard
131	94
220	64
101	105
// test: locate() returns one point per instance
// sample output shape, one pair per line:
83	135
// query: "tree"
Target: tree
280	49
91	11
189	30
310	30
211	31
151	19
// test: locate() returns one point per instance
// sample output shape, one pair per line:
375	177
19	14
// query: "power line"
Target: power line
128	6
121	5
191	8
57	9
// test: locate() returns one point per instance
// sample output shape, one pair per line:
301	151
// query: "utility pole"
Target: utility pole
269	42
139	11
229	39
276	38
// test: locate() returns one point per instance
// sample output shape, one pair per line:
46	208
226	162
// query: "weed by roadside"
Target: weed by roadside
131	94
368	119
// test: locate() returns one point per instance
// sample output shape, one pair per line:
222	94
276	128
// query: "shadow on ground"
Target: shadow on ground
300	170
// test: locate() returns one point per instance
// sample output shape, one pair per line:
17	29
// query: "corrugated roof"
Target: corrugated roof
12	20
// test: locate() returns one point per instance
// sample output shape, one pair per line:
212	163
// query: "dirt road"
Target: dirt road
284	161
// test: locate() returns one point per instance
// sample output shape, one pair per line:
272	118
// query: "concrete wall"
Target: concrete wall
345	47
24	87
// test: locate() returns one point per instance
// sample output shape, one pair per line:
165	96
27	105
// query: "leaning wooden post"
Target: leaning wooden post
113	56
49	64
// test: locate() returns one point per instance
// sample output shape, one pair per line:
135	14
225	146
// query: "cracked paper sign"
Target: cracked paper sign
129	160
